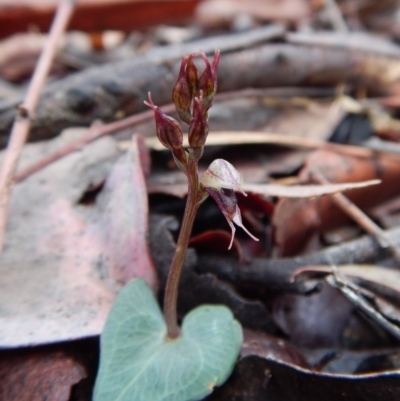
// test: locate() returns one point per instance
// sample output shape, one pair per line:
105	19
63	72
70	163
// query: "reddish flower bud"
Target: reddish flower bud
221	180
182	92
169	131
192	75
208	79
198	129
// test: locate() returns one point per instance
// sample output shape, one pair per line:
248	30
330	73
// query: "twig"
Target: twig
108	93
352	41
358	215
97	131
337	20
277	274
22	123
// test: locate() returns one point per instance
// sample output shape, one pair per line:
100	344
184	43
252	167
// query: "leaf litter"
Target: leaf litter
72	240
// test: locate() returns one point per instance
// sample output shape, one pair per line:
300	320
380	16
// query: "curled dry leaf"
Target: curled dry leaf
271	347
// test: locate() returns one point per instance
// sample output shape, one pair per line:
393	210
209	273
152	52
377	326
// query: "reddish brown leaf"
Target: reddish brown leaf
37	376
296	220
94	15
216	240
272	348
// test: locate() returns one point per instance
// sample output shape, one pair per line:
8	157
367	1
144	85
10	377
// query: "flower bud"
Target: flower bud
221	180
192	75
182	92
198	129
208	79
169	131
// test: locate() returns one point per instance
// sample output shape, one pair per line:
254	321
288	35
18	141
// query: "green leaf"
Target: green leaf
139	363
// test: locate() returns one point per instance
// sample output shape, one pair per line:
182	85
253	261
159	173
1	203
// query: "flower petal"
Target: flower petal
221	174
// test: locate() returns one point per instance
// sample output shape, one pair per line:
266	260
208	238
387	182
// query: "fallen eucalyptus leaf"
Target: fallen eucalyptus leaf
297	220
122	205
57	272
138	362
304	191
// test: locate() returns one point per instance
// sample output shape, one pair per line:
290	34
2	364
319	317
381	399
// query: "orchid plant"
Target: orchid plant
148	356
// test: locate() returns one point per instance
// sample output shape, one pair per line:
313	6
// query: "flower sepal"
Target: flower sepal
221	181
169	131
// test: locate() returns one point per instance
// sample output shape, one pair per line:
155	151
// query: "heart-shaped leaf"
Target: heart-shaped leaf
139	363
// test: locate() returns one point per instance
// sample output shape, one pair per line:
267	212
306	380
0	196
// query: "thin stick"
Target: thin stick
22	123
97	131
354	212
337	20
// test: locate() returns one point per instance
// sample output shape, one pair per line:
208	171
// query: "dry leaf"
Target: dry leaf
304	191
296	220
39	375
94	15
55	281
219	12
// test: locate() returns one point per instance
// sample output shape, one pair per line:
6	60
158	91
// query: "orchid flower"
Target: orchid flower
221	181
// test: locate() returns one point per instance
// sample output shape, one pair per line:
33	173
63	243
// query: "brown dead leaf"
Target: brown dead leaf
270	347
296	220
39	375
19	54
216	240
94	15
